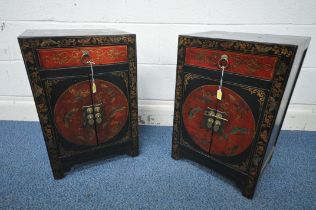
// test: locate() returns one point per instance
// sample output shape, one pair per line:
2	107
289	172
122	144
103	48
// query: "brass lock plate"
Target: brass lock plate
215	119
92	114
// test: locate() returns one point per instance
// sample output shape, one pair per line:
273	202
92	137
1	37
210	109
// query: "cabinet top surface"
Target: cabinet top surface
254	37
71	33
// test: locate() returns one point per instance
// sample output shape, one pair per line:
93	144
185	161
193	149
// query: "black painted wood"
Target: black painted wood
48	85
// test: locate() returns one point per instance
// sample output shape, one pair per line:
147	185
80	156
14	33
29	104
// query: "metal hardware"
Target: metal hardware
214	119
89	110
209	123
89	116
85	58
91	122
92	114
97	109
98	120
223	61
93	86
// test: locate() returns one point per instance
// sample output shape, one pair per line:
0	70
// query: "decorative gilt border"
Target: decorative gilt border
253	90
258	92
28	48
132	61
49	86
123	75
285	56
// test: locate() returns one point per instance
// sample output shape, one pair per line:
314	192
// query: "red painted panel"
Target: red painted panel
234	137
115	109
69	113
245	64
71	57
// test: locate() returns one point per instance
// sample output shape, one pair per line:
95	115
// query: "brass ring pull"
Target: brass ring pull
85	58
223	62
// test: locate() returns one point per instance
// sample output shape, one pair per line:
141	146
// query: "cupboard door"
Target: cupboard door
111	106
70	103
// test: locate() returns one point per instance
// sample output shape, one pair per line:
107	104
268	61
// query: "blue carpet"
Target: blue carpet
150	181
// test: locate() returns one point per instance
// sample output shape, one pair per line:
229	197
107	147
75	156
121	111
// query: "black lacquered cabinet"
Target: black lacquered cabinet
236	131
84	84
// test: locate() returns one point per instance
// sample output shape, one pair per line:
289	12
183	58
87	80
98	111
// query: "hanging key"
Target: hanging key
94	87
222	63
86	59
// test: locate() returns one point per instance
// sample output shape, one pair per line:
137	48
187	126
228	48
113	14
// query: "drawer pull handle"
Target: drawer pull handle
85	58
223	61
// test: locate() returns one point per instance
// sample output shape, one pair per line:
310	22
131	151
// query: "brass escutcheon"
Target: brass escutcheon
85	58
92	114
223	61
91	121
214	121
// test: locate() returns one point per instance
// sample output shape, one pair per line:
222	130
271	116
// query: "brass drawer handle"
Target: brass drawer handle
223	61
85	58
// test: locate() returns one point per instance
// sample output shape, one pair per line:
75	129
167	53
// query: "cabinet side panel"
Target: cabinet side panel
132	79
300	56
28	53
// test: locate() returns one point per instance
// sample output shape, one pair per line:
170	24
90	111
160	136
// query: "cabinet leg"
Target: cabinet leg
57	167
67	167
248	194
58	174
175	152
133	151
248	190
270	159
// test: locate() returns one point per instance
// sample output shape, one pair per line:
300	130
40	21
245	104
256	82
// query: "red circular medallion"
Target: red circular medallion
230	137
77	125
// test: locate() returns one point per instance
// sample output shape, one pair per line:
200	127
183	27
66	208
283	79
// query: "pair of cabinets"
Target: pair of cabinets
84	84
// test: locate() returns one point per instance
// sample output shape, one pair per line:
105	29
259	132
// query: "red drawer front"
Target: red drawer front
245	64
72	57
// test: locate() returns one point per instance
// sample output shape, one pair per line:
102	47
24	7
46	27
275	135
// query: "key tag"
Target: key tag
219	94
222	63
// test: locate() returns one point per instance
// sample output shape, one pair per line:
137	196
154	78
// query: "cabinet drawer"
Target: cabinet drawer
259	66
54	58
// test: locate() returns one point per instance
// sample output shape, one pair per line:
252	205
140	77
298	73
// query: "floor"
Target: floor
153	180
